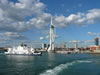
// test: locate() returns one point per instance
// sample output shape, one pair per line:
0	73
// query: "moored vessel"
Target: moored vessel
23	50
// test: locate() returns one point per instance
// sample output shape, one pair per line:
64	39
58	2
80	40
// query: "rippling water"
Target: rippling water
50	64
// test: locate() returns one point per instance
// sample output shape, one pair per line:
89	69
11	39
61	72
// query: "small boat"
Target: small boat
37	53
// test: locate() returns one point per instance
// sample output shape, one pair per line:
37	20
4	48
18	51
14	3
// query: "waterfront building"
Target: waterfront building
60	46
96	41
94	47
44	46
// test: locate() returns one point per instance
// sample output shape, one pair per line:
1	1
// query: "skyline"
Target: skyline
30	19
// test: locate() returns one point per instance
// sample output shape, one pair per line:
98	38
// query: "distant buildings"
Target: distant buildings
44	46
96	41
60	46
96	46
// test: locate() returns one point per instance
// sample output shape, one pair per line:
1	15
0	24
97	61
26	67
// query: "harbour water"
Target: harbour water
50	64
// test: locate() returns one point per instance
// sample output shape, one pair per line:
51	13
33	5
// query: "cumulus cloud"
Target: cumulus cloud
47	37
75	41
92	16
13	35
80	41
14	16
77	19
95	34
41	21
89	41
23	15
27	14
41	38
90	33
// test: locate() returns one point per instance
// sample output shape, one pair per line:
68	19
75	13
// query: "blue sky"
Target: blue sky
67	7
30	19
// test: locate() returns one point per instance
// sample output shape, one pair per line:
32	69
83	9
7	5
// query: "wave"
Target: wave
61	67
84	61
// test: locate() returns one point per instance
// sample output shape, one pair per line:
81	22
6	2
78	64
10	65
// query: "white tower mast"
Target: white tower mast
52	37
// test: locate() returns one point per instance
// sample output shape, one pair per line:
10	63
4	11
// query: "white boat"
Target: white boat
35	53
22	50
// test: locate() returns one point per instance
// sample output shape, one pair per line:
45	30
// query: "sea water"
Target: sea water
50	64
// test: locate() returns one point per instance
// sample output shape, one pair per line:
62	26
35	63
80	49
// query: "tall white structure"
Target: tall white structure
52	37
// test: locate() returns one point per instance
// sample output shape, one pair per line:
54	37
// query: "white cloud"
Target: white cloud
13	15
94	34
41	21
41	38
13	35
89	41
92	16
75	41
90	33
27	14
77	19
80	41
47	37
16	17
